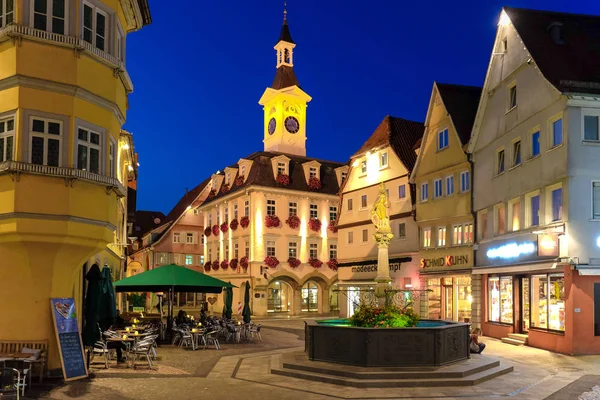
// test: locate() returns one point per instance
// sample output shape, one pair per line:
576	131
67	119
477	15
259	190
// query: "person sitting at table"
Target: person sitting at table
203	316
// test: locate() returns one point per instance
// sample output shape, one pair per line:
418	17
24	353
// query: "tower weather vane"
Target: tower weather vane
285	10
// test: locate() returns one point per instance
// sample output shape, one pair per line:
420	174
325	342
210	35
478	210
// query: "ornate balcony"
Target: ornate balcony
16	168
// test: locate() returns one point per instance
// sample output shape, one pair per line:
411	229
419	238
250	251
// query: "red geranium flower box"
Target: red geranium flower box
233	263
333	264
212	193
315	263
215	265
272	221
224	227
283	179
332	226
239	181
271	262
294	262
224	264
234	224
225	188
314	183
207	231
244	222
207	266
293	222
314	224
244	262
215	230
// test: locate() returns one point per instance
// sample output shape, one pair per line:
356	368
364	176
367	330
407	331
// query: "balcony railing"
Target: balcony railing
18	167
21	31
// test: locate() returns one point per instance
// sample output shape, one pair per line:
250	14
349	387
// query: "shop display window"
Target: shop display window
548	302
435	298
500	299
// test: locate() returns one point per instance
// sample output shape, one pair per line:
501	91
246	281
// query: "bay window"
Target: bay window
88	150
7	138
95	23
7	12
45	142
48	15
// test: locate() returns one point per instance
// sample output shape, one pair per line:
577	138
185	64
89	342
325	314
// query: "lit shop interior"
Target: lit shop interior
450	298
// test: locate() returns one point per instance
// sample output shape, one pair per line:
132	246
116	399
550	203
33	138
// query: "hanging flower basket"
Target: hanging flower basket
314	224
272	221
207	266
314	183
212	193
244	222
283	179
215	230
315	263
293	222
224	227
239	181
333	264
293	262
215	265
225	188
234	224
207	231
233	263
271	262
224	264
332	226
244	262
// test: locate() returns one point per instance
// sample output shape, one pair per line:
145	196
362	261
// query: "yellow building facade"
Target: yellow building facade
442	176
63	157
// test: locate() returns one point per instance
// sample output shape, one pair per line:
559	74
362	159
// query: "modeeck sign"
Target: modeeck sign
394	267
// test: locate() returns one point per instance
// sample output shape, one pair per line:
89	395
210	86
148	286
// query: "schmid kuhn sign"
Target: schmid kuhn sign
447	261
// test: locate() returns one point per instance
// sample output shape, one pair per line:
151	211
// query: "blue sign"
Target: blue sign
69	339
511	250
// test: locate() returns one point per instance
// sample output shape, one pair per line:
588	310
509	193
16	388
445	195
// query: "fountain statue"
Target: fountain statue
383	235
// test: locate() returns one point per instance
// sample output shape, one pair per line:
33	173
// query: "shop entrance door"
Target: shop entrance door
449	302
525	305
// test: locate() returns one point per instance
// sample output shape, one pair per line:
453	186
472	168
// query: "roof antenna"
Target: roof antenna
284	11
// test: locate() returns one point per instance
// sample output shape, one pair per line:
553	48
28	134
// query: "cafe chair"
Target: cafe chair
19	365
9	382
101	350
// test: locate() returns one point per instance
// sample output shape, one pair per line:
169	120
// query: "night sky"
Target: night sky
200	68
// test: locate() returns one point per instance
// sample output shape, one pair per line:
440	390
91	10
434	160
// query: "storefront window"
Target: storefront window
435	298
548	302
279	297
463	298
310	297
500	299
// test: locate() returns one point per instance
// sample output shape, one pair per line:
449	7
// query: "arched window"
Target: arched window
279	298
310	297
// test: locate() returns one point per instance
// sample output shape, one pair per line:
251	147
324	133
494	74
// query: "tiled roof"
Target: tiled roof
146	221
185	201
261	174
285	35
145	9
401	134
461	103
569	60
284	77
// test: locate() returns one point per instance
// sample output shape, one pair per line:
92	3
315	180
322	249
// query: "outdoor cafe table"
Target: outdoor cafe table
127	343
18	356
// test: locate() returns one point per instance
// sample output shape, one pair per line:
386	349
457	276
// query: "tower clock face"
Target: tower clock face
272	126
292	125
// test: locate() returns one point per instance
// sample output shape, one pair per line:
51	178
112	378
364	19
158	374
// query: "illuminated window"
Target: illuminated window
500	222
557	132
383	160
280	168
270	248
482	224
548	302
293	208
176	237
363	201
332	251
514	214
189	259
314	211
363	167
313	251
457	234
424	192
426	237
7	138
468	238
438	189
443	139
270	207
293	250
500	299
332	213
441	236
401	191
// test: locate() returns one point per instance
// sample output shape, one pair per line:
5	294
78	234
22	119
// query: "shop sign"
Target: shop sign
373	268
524	248
548	245
511	250
446	261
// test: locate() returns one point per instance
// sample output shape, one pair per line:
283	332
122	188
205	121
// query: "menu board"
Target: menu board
68	338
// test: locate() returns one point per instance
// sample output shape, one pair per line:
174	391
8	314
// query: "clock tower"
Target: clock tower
284	102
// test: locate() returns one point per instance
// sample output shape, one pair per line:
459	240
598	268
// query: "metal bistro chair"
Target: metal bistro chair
9	383
20	366
143	348
211	337
255	331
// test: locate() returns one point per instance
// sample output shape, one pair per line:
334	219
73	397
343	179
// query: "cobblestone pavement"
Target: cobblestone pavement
243	371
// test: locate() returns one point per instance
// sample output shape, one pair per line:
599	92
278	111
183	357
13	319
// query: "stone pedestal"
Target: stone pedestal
383	278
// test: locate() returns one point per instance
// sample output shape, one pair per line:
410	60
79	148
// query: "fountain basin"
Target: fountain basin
432	343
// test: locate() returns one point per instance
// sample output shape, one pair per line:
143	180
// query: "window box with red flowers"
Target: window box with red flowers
212	193
293	222
244	222
333	264
272	221
293	262
271	261
207	231
234	224
332	226
239	181
233	263
244	262
283	179
215	265
315	263
225	188
314	183
314	224
207	266
224	227
215	230
224	264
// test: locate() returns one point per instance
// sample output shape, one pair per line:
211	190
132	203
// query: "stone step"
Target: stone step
514	342
519	336
459	370
470	380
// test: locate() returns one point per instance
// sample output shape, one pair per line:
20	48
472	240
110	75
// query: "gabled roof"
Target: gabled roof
401	134
261	174
570	63
284	77
461	103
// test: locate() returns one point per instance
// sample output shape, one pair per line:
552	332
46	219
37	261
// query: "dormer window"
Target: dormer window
344	176
312	172
281	168
363	167
243	171
227	175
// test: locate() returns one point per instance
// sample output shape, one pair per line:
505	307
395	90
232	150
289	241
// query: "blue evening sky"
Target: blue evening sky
200	68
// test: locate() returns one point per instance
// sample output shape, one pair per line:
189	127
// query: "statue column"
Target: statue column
383	278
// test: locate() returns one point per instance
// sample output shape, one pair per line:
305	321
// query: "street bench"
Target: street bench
16	346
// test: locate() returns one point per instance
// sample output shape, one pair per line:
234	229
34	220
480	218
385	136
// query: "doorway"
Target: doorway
525	313
310	297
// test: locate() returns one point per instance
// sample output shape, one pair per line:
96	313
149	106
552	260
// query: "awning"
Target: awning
514	269
374	262
588	270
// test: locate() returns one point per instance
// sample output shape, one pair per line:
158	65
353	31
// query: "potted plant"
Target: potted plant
283	179
293	262
332	226
233	263
207	266
333	264
314	224
314	183
244	222
207	231
271	261
215	265
244	263
293	222
224	264
234	224
224	227
215	230
315	263
272	221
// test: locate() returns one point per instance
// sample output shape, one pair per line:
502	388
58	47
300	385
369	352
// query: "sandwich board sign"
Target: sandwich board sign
70	347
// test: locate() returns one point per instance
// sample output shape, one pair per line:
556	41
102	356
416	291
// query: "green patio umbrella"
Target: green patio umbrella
90	334
246	313
108	308
228	302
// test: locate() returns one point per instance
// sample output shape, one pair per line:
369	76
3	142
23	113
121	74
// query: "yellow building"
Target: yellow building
442	176
63	100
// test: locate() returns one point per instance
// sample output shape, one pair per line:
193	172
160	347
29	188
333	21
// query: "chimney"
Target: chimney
186	191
